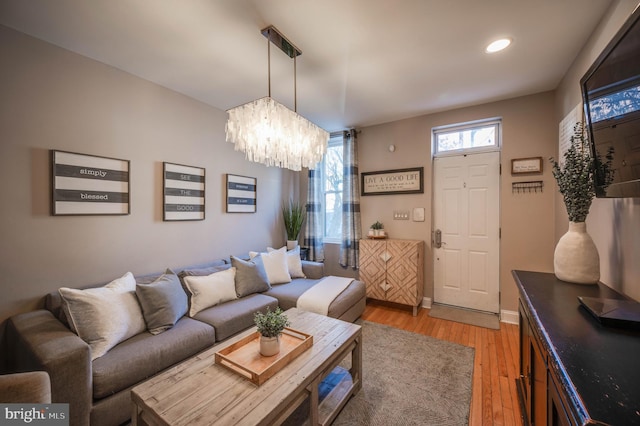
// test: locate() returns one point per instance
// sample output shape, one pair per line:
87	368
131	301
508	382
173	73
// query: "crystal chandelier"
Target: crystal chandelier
269	132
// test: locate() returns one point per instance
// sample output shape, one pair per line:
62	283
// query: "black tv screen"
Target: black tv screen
611	98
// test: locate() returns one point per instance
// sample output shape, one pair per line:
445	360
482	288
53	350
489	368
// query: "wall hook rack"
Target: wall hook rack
529	186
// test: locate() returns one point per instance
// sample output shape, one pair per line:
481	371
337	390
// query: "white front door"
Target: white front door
466	202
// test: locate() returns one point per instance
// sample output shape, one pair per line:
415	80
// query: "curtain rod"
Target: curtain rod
341	133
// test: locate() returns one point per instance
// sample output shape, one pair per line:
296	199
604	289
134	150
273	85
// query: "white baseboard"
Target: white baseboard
510	317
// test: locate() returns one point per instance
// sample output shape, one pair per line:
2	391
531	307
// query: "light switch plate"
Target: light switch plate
401	215
418	214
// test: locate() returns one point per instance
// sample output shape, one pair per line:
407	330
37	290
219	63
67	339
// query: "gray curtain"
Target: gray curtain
313	232
351	229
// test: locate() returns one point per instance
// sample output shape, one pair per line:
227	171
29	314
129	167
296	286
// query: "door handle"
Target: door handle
437	238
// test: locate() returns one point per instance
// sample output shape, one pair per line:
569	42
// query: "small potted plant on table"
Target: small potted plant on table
270	326
378	229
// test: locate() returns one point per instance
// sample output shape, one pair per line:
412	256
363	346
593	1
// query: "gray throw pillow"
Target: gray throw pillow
199	272
251	276
163	302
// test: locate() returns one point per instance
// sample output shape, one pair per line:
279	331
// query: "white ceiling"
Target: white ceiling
364	62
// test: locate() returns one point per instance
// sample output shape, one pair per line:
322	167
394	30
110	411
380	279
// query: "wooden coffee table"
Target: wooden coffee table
198	391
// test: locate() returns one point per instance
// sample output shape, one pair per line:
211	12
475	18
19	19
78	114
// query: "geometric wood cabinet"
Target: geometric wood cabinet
393	271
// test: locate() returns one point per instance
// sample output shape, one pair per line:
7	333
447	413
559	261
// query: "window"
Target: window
615	105
332	188
475	136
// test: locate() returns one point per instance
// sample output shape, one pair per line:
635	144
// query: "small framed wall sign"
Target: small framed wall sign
183	192
241	194
526	165
398	181
89	185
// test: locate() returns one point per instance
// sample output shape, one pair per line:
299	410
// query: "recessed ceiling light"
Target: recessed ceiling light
498	45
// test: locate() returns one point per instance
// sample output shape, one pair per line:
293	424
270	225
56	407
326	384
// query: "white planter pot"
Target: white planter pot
269	346
576	257
291	244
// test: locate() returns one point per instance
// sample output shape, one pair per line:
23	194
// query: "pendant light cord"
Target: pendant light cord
295	73
269	60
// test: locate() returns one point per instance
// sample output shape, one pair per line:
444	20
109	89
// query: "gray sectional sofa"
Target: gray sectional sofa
98	391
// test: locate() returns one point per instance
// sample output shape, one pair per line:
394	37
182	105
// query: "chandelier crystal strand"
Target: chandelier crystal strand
270	133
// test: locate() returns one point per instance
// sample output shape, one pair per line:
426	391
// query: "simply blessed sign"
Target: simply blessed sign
399	181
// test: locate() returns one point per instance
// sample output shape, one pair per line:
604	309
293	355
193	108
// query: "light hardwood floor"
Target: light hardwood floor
494	400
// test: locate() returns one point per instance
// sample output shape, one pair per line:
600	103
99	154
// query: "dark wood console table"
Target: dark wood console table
573	370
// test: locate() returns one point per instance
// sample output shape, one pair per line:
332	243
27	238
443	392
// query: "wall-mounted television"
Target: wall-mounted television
611	99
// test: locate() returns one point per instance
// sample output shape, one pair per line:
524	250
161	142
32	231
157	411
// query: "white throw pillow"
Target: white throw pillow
104	316
275	264
294	263
210	290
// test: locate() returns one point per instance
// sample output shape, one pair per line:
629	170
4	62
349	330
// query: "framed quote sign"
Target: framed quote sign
526	165
183	192
398	181
241	194
89	185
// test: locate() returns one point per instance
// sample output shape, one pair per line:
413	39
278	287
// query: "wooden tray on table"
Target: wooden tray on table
243	357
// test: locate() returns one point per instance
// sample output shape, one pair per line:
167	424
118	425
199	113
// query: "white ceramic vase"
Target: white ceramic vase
576	259
269	346
291	244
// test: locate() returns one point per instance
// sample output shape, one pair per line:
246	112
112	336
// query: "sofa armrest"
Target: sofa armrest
313	270
33	387
38	341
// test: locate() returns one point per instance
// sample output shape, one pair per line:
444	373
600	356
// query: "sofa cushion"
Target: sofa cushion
163	302
232	317
210	290
313	270
251	276
104	316
144	355
354	293
288	294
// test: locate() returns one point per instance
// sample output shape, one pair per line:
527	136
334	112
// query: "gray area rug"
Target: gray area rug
465	316
407	379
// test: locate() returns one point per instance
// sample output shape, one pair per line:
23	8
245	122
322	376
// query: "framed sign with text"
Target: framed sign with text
398	181
183	192
526	165
241	194
89	185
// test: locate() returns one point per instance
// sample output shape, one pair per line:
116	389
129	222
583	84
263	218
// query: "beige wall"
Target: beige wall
529	130
55	99
613	223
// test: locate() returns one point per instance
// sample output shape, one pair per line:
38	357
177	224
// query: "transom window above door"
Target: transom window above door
474	136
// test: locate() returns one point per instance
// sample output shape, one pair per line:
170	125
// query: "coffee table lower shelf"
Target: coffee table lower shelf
337	398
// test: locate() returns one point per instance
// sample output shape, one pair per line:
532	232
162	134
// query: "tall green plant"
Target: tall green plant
575	178
293	214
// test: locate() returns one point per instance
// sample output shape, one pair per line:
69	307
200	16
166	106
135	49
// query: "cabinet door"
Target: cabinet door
403	279
533	374
538	385
373	267
557	416
524	381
